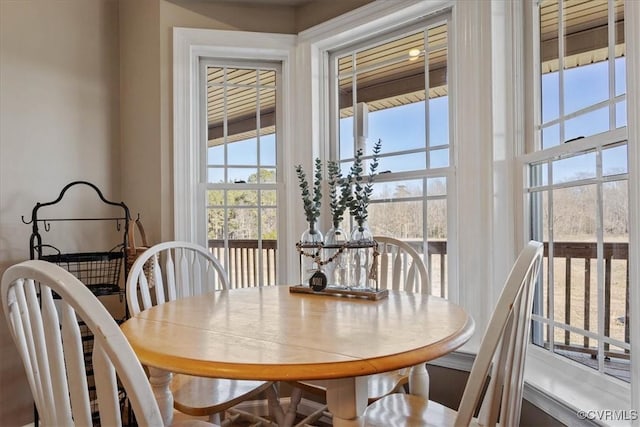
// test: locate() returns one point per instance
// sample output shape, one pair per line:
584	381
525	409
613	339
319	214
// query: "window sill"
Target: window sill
562	389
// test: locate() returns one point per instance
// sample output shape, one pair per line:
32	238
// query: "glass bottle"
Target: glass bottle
361	253
336	270
310	246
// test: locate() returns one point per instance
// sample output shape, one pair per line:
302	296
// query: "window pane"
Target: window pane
268	197
403	163
436	187
267	176
439	121
595	77
268	150
550	92
269	224
240	175
588	124
550	136
215	197
397	190
215	223
614	160
574	168
242	223
621	114
242	197
215	175
399	219
439	158
399	128
215	155
243	152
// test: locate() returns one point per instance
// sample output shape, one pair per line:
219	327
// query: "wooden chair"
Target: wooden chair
178	270
43	305
400	268
504	344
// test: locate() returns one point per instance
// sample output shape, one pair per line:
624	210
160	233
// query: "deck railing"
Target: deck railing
245	256
580	273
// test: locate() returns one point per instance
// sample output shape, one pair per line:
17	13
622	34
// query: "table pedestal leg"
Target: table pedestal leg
284	419
347	401
419	381
160	381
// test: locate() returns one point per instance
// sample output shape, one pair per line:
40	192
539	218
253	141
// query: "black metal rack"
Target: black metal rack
100	271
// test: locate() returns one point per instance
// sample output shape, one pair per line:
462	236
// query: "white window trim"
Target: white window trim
567	382
189	45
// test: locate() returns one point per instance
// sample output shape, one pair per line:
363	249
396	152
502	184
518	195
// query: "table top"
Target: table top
271	334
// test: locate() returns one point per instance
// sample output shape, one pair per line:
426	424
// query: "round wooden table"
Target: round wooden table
272	334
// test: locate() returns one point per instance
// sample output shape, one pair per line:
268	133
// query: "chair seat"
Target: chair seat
407	410
200	396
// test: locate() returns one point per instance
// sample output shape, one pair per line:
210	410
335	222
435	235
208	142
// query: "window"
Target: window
394	89
241	173
577	185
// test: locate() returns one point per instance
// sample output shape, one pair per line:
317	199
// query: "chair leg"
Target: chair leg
215	418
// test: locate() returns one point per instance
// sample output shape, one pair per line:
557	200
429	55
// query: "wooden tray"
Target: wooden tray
370	294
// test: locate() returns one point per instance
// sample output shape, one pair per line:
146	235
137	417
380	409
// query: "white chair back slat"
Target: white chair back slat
76	371
173	291
145	294
158	280
21	331
106	387
53	341
24	316
411	278
396	270
504	342
39	346
198	286
407	270
384	269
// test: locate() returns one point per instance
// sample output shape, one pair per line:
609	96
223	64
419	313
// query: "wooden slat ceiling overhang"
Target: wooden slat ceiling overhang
387	77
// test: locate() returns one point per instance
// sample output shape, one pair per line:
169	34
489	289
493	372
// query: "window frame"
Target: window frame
189	155
448	173
545	372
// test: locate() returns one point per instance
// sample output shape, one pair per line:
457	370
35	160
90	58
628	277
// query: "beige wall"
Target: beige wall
59	122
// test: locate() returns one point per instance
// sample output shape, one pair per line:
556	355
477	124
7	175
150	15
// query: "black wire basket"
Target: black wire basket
99	271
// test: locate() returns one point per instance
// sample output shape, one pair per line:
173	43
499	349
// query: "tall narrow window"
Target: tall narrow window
577	185
241	168
394	89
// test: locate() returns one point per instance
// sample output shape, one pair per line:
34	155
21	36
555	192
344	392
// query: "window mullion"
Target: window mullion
611	52
600	260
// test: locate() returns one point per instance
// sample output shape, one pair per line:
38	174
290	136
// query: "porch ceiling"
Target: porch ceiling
398	78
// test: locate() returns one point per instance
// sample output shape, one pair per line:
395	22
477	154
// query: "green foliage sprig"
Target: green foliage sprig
339	203
311	202
359	203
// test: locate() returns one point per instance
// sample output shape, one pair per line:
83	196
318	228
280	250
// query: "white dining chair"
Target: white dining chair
504	346
400	266
44	305
178	270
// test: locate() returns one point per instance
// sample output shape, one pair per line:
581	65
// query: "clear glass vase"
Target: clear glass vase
361	256
311	242
335	250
